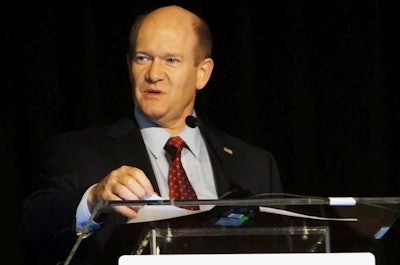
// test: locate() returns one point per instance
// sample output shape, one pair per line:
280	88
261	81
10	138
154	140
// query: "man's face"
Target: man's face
164	71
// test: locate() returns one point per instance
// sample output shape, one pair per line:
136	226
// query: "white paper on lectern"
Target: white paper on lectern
160	212
294	214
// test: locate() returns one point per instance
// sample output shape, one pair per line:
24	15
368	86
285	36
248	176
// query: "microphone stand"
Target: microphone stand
85	232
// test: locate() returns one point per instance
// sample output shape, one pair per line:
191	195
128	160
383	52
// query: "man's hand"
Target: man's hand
123	183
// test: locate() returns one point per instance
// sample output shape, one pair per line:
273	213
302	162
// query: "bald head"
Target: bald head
180	20
172	14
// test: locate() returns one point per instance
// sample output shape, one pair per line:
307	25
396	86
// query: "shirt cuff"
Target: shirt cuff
83	214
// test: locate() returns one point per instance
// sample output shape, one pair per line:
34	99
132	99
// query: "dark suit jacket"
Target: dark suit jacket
73	161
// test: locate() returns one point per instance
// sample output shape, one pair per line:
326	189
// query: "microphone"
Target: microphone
192	121
235	190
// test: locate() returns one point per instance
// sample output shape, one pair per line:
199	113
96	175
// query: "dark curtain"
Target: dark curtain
315	82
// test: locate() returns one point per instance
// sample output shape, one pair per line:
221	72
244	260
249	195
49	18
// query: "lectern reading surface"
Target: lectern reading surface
261	232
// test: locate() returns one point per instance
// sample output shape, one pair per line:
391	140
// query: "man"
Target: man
169	61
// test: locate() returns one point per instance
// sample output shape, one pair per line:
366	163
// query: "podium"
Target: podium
268	225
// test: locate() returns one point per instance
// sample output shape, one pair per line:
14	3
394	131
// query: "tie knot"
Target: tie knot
174	145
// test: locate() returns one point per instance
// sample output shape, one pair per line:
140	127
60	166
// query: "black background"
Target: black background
315	82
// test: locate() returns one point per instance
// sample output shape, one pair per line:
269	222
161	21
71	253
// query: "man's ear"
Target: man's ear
204	73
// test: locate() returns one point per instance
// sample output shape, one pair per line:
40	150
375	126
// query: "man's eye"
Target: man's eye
172	60
141	58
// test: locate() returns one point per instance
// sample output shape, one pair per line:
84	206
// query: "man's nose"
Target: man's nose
155	71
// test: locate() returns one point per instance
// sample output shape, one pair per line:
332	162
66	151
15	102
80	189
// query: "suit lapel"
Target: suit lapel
129	149
221	173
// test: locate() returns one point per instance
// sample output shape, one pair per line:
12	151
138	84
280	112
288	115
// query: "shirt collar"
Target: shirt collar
155	136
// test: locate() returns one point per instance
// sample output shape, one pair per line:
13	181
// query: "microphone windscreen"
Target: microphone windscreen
192	121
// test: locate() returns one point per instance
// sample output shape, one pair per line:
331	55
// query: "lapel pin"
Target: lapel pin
229	151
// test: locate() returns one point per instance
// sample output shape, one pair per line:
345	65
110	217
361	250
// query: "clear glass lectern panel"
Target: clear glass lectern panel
273	225
373	217
238	240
